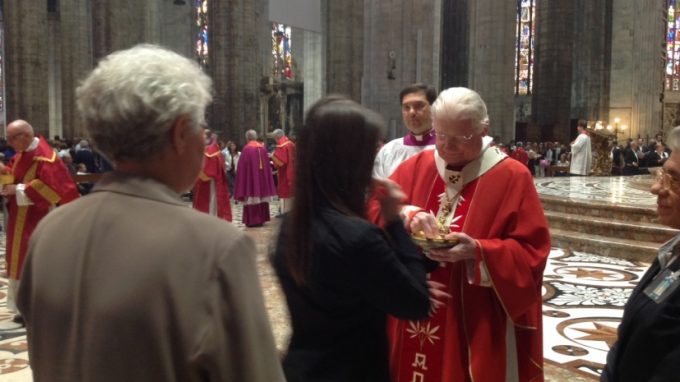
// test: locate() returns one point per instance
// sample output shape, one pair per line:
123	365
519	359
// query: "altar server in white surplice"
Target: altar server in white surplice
416	100
581	154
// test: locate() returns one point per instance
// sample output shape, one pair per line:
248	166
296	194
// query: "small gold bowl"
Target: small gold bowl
6	179
432	243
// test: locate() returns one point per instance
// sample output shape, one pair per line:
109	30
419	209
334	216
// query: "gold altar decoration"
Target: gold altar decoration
602	142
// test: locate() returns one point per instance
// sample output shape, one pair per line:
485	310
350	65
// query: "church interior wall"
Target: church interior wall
593	60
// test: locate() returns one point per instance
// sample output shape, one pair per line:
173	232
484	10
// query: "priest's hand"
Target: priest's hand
426	222
466	249
8	190
438	295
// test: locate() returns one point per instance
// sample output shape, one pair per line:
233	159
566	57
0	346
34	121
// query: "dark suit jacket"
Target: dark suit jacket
648	346
654	159
629	158
358	277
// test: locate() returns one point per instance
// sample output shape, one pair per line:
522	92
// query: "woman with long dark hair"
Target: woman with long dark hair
341	274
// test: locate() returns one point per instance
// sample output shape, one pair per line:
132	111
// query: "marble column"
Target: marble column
235	64
401	47
75	60
122	24
313	68
26	62
591	60
491	61
551	103
344	33
455	44
637	68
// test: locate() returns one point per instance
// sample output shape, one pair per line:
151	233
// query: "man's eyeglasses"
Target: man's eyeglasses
415	106
667	181
454	138
14	136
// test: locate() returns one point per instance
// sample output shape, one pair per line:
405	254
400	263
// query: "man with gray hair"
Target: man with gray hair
136	286
283	158
489	219
648	341
254	182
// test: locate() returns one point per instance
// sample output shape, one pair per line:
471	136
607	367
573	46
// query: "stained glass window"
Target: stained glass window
524	54
672	47
281	52
202	32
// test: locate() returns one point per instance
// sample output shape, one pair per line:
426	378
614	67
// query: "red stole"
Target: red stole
214	170
284	160
418	347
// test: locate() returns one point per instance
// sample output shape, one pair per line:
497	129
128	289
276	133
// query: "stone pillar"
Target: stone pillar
312	68
54	49
26	66
344	21
491	61
235	64
551	103
591	60
178	27
400	48
455	44
124	23
76	60
637	67
648	80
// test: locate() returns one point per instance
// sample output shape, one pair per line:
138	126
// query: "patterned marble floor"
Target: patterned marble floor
583	294
628	190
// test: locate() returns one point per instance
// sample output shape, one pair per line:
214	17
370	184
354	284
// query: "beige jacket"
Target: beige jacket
129	284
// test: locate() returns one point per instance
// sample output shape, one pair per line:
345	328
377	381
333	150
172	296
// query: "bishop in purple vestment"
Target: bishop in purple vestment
254	182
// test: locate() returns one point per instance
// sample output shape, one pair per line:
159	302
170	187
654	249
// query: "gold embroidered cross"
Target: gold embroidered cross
454	178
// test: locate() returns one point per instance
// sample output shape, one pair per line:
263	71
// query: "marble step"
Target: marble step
633	250
598	209
613	228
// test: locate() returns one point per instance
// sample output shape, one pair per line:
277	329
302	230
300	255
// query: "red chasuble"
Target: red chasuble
48	184
284	160
211	192
496	302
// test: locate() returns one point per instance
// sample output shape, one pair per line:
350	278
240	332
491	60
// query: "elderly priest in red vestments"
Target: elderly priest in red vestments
211	191
284	160
254	182
469	191
40	182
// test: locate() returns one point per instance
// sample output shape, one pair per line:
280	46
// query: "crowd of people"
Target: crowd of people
130	267
634	157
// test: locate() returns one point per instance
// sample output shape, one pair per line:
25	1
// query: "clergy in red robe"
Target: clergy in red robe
211	191
254	182
469	191
39	182
284	160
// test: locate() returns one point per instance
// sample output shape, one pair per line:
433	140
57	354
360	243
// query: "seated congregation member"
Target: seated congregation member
128	283
491	329
648	344
341	274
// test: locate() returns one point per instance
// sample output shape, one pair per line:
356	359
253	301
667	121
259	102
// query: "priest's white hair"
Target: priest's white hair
456	104
673	140
133	97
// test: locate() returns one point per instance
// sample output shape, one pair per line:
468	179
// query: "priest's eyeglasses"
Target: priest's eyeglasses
667	181
454	138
